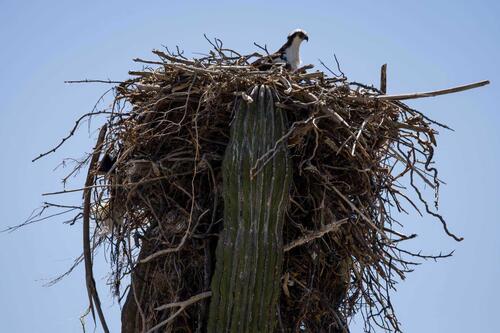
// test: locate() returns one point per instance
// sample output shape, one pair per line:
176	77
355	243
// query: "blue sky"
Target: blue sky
427	45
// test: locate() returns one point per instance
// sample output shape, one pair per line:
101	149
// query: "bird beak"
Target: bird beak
306	38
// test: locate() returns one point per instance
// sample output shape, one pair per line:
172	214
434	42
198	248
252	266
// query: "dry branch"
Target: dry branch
87	250
383	79
181	305
431	93
313	235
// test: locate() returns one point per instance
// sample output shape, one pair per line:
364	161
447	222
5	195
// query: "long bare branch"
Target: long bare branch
431	93
87	251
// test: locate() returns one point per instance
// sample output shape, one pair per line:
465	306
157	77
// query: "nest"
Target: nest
359	157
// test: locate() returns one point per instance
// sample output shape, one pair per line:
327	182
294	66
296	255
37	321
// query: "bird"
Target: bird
288	54
107	212
106	164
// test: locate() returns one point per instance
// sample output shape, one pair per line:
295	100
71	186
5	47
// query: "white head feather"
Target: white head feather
292	53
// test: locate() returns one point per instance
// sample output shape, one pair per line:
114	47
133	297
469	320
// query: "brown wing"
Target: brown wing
267	62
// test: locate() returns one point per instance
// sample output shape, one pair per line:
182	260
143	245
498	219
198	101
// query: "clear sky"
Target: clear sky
427	45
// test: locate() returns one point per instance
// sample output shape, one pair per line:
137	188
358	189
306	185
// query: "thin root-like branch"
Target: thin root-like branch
181	305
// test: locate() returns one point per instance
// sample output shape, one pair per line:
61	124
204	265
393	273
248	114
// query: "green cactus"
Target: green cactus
246	282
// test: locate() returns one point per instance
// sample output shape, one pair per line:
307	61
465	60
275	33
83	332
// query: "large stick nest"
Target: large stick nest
356	157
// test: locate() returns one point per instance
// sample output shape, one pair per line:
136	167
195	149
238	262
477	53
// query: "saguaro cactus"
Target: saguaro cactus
256	177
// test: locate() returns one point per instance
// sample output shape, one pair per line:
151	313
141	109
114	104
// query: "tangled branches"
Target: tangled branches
158	210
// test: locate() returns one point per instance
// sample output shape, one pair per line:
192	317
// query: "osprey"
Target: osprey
288	54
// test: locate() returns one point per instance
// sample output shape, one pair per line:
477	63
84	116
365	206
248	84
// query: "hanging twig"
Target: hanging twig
87	251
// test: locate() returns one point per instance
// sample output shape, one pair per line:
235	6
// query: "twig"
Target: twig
338	65
93	81
71	133
328	68
181	305
431	93
105	186
313	235
426	257
172	58
72	190
148	61
367	219
263	48
184	304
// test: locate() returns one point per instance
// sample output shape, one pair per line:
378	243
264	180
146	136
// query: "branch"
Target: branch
263	48
383	79
173	59
313	235
163	252
181	305
431	93
87	251
93	81
71	133
148	61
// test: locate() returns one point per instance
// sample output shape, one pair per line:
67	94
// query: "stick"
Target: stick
87	252
317	234
148	61
93	81
383	79
431	93
181	305
173	59
184	304
162	252
71	133
353	206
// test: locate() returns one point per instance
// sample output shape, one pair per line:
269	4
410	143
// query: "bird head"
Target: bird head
298	34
